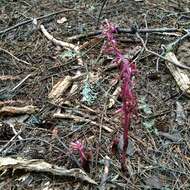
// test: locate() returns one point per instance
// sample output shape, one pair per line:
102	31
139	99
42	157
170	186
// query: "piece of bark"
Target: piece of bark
59	88
180	75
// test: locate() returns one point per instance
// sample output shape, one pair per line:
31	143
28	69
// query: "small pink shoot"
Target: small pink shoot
85	156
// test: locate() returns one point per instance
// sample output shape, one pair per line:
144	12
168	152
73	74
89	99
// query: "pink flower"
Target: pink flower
85	156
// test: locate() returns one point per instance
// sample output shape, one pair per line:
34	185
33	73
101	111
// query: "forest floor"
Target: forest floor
38	125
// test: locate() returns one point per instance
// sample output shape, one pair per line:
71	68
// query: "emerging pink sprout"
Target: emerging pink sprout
127	70
85	156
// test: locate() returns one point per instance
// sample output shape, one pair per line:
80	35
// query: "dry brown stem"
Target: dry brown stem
11	110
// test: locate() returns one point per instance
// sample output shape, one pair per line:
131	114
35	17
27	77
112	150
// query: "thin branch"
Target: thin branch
2	150
13	56
122	30
161	56
21	82
31	20
100	13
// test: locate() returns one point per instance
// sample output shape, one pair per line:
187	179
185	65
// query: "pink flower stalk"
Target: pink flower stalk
85	156
127	70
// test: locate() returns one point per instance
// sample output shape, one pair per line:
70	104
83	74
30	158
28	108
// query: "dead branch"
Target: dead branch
41	166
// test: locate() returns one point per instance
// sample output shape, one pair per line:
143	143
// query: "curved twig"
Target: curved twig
62	44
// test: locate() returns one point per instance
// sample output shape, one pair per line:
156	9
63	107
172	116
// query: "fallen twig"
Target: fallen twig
8	77
21	82
17	134
80	119
41	166
13	56
63	44
122	30
11	110
31	20
178	64
11	102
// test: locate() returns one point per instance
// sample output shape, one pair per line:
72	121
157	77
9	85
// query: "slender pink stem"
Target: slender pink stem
127	70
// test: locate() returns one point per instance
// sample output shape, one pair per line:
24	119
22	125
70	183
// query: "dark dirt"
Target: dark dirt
159	148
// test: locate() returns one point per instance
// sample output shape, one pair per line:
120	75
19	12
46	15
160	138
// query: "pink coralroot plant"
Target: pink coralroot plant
127	70
85	156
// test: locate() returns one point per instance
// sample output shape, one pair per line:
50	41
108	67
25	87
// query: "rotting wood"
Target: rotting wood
59	88
55	96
